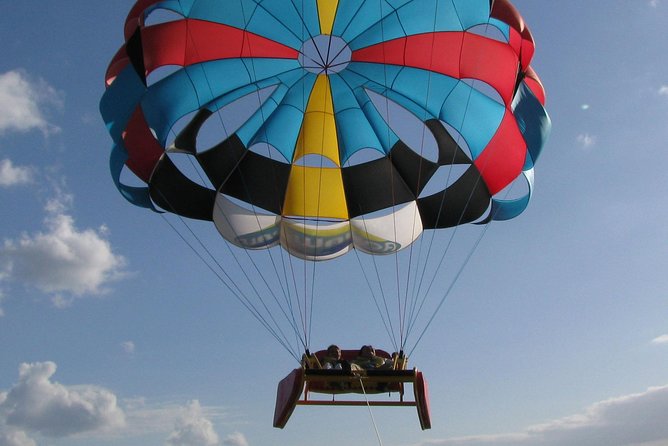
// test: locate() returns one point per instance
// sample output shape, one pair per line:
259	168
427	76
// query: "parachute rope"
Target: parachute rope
248	303
305	311
373	419
387	321
417	309
237	293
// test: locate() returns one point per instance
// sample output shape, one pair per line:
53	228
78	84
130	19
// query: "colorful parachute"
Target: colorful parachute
338	117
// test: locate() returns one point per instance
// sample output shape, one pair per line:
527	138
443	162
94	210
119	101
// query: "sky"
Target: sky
112	332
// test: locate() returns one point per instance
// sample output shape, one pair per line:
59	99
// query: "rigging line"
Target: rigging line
227	244
461	269
271	257
276	300
452	284
247	254
304	262
459	137
252	285
392	10
375	301
391	331
255	311
443	256
238	294
285	26
413	297
422	300
368	405
287	297
400	319
290	261
320	185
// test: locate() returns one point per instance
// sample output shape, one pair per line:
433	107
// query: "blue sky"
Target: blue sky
112	332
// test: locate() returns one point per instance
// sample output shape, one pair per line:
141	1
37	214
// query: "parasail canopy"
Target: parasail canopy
325	126
336	117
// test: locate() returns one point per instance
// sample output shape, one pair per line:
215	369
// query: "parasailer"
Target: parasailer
341	125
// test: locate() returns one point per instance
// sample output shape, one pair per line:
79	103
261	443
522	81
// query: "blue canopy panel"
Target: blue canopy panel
359	80
535	125
298	18
427	89
504	28
181	7
418	17
277	20
507	209
137	195
117	106
251	131
235	109
354	131
474	115
354	17
280	129
386	137
191	88
406	86
534	122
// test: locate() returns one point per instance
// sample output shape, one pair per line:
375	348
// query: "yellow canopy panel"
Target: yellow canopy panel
315	193
318	132
327	12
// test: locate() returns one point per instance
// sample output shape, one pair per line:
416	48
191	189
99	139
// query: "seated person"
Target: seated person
367	359
333	359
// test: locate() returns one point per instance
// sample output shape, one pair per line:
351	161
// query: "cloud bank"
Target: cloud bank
192	428
632	420
235	439
661	340
22	101
38	405
62	260
13	437
11	175
586	140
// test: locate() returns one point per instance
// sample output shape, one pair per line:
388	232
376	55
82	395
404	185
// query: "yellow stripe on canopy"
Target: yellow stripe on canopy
327	12
318	133
315	192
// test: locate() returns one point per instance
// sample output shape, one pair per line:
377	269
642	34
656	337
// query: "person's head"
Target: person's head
367	351
334	351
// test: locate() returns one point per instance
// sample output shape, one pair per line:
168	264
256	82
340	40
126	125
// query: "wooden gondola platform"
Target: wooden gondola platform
299	387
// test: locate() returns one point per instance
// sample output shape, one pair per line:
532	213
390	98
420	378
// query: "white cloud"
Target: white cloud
663	339
235	439
11	175
632	420
62	260
193	428
38	405
128	347
162	418
663	90
22	103
654	3
586	140
14	437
